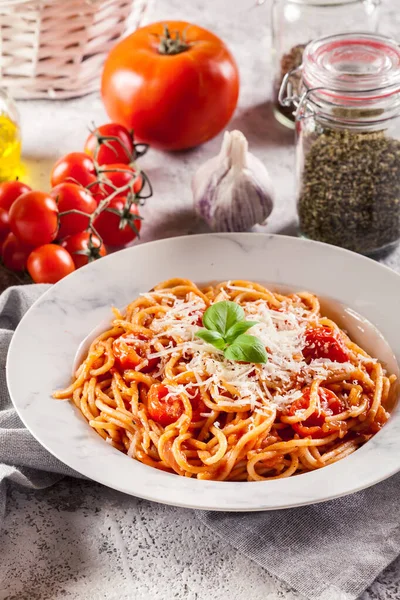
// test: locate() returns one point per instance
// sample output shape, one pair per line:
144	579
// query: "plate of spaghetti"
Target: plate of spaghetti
221	372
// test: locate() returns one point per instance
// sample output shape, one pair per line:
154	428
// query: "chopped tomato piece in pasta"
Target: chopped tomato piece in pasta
166	409
130	351
162	408
322	342
330	405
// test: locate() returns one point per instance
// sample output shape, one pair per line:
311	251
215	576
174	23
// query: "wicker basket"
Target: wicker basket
56	48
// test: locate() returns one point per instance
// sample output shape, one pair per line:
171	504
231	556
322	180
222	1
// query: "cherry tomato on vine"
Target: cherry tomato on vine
322	342
107	151
70	196
34	218
10	191
117	176
49	263
330	405
76	167
120	227
78	245
15	253
4	225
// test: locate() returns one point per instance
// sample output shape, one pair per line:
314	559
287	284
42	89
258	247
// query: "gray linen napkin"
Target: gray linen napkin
329	551
22	459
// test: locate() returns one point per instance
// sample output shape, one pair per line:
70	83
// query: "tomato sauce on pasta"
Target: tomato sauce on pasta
158	393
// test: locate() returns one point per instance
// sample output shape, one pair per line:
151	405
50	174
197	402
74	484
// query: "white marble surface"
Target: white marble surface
79	539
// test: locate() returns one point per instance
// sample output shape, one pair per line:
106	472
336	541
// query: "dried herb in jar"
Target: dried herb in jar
350	192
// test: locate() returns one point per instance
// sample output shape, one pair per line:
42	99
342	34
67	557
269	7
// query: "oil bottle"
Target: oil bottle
10	138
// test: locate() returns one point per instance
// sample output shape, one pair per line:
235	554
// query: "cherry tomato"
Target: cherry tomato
312	427
34	218
161	409
322	342
10	191
176	93
106	151
76	167
111	179
108	224
79	248
70	196
49	263
15	253
130	350
4	224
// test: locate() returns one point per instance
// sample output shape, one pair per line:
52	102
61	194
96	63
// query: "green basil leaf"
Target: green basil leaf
247	348
237	329
212	337
222	315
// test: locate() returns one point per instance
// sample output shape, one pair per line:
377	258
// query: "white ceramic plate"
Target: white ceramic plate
48	337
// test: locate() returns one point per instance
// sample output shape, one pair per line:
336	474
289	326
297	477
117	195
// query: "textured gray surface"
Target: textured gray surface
79	539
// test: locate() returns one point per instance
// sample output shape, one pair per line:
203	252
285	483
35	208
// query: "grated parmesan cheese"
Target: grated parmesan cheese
275	384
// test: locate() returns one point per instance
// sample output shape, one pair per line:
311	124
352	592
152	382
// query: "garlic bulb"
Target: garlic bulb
233	190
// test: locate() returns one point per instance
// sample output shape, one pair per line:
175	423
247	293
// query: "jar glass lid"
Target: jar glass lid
353	65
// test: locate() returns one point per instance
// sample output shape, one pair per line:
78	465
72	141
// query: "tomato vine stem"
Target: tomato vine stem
126	190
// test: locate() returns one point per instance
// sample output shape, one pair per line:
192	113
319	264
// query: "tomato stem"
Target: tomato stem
170	45
139	149
107	170
146	180
74	211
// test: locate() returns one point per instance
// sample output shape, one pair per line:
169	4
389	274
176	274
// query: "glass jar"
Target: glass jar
10	138
295	23
348	141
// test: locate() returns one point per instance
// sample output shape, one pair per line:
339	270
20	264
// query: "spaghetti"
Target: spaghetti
155	391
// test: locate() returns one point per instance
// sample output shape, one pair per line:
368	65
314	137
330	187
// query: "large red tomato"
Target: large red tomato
174	83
